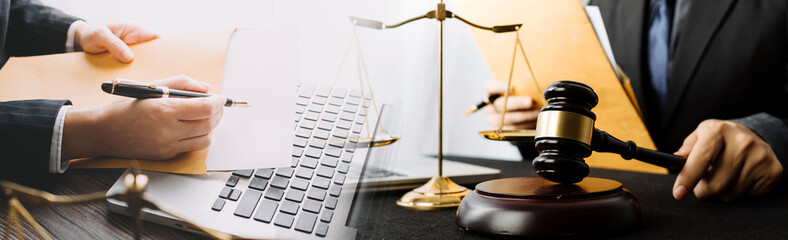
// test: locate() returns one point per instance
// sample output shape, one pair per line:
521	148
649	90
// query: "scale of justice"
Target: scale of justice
562	201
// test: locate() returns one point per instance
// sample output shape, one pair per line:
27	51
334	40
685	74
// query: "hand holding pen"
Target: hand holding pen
521	110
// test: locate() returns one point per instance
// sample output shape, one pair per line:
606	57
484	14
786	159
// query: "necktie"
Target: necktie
658	42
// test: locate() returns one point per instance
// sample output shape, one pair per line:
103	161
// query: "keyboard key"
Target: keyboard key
350	108
309	162
279	182
306	89
356	129
346	116
299	142
331	203
289	207
321	182
247	204
347	158
326	216
325	172
311	115
321	230
329	161
302	132
225	193
300	109
243	173
343	168
340	133
335	101
306	222
335	190
334	152
319	100
354	99
318	143
314	152
360	120
339	92
333	110
218	205
232	181
264	172
351	148
297	117
285	172
316	194
339	179
258	183
235	195
323	91
325	125
304	173
344	124
329	116
266	211
303	101
336	142
294	163
299	183
284	220
322	134
312	206
274	194
315	108
308	124
294	195
297	151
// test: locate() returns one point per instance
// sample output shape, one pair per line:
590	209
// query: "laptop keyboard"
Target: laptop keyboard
304	196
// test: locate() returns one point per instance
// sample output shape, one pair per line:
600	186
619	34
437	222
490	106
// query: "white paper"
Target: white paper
259	71
595	16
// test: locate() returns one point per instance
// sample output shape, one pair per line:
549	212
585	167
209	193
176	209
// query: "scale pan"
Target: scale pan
381	139
522	135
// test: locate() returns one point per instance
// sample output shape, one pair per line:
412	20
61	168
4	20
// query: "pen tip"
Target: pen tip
469	112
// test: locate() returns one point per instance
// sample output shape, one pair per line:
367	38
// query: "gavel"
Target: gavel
565	135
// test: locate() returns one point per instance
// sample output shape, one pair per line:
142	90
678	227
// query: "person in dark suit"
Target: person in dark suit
710	78
40	136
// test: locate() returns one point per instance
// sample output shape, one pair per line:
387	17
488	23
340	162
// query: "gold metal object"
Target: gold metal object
440	192
379	140
134	196
165	91
520	135
573	126
240	104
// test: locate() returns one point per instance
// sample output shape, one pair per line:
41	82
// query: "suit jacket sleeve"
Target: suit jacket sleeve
25	138
35	29
775	132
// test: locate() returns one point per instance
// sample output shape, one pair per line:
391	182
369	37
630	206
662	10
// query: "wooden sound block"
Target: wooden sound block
534	207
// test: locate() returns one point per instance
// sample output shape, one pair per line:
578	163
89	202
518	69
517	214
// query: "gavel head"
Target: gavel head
563	132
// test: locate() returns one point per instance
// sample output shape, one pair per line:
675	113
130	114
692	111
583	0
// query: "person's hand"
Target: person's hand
113	38
156	128
521	112
725	161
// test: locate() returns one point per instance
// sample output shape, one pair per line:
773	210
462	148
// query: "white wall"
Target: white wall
402	62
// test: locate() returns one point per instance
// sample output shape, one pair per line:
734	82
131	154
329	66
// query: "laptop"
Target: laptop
311	198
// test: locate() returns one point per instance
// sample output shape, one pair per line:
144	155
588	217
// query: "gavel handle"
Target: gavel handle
601	141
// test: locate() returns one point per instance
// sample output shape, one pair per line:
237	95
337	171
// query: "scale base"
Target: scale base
438	193
534	207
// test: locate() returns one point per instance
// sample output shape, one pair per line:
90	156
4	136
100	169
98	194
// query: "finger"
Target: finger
196	108
689	143
720	181
131	34
700	158
183	82
515	103
114	45
495	87
514	118
195	128
194	144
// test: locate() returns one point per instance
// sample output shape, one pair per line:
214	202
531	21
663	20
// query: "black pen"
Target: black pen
487	101
139	90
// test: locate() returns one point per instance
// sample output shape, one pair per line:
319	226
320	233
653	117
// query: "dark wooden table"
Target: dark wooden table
378	217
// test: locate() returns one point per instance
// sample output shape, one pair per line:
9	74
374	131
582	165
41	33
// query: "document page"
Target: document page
257	70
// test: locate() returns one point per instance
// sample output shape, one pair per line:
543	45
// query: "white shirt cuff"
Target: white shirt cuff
70	46
55	163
